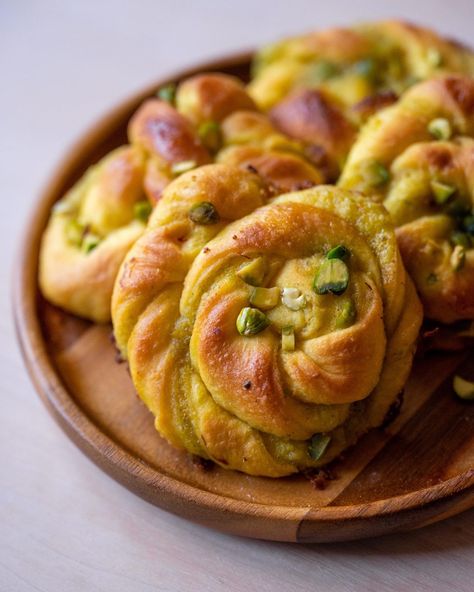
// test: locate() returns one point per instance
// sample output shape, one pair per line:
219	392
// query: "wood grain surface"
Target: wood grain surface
414	472
64	524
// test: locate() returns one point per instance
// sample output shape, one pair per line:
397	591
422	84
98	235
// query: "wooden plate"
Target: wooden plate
417	471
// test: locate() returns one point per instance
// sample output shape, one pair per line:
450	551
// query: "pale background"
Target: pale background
64	525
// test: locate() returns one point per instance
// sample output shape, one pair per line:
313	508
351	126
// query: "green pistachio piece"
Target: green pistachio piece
265	298
346	316
338	252
75	232
374	173
461	238
322	71
464	389
288	338
432	279
251	321
167	93
204	213
293	299
252	273
441	191
468	224
142	210
434	57
183	167
332	277
366	68
210	134
318	445
90	242
440	128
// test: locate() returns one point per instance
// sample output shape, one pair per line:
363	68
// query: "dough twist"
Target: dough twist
418	157
265	338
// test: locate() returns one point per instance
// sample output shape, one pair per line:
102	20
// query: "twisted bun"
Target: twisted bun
233	371
352	64
418	158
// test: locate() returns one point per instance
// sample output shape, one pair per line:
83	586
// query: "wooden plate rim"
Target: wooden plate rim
102	449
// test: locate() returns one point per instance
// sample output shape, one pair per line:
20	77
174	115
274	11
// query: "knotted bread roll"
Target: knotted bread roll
320	87
267	339
418	158
350	65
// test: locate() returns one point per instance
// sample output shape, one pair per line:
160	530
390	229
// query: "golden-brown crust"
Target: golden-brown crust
239	400
166	134
101	204
212	97
399	139
282	171
309	116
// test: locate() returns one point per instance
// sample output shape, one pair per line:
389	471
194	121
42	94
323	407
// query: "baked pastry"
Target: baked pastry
351	64
89	233
249	140
418	158
93	227
322	86
267	339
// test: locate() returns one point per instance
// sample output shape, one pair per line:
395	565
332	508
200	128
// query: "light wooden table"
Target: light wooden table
64	525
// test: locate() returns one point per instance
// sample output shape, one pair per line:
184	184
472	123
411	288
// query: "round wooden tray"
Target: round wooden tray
417	471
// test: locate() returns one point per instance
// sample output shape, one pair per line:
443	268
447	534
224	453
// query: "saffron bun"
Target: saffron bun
235	367
322	86
94	225
354	63
417	157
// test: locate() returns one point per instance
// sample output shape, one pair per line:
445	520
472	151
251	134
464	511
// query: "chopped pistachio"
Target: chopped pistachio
204	213
293	299
338	252
210	135
434	57
252	273
90	242
458	257
317	446
288	338
142	210
461	238
345	317
323	70
440	128
441	191
366	68
468	224
251	321
375	173
332	277
167	93
75	232
464	389
183	167
432	278
265	298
